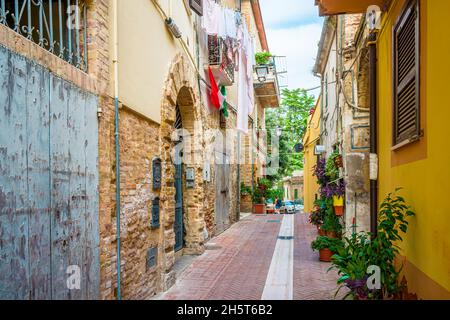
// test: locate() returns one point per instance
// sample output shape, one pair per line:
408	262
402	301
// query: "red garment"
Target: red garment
214	97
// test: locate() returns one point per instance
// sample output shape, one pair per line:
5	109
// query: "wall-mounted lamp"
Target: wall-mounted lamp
262	72
279	131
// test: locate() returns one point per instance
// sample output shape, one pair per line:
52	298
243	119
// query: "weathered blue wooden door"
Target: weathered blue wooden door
49	233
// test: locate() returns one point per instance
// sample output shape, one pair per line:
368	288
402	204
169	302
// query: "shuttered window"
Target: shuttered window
197	6
406	75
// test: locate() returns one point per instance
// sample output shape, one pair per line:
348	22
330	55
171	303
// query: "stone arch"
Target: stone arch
181	88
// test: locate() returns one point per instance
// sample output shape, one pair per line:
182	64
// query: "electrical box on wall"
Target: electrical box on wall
190	177
152	257
155	213
157	173
207	172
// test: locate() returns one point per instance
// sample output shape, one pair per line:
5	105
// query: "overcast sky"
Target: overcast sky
293	29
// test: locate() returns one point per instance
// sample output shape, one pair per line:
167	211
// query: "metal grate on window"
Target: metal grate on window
406	75
59	26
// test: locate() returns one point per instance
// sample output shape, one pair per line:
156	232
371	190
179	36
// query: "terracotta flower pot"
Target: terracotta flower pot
325	255
322	232
259	209
339	210
338	162
331	234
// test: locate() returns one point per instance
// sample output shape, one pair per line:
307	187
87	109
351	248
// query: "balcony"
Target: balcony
59	27
221	65
267	82
334	7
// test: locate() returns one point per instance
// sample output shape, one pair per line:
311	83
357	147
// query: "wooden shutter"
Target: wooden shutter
406	75
197	6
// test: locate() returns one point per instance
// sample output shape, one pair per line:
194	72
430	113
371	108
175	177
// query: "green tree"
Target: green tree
292	118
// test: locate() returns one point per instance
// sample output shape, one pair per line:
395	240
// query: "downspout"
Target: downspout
117	138
373	134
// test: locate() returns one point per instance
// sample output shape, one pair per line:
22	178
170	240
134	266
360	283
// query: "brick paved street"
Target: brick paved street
236	264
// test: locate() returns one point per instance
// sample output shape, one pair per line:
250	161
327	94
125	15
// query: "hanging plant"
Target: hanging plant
263	58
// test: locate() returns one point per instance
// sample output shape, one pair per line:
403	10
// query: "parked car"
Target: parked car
287	207
298	205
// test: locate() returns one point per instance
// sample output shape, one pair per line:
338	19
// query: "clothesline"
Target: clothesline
227	24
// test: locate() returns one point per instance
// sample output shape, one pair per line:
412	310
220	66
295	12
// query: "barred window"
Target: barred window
59	26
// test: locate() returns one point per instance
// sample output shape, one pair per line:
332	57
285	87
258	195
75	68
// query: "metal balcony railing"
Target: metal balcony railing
59	26
218	56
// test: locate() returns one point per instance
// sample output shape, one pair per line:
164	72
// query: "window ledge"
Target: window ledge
405	143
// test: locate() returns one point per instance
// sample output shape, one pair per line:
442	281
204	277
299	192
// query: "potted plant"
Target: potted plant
245	190
338	204
331	224
331	170
316	217
335	191
358	253
263	58
337	159
259	206
326	246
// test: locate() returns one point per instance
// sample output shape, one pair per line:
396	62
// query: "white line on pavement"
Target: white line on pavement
280	279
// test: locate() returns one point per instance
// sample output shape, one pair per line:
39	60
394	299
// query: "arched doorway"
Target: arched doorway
178	163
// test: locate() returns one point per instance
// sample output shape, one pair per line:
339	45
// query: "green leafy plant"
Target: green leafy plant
274	193
263	58
245	190
391	224
330	222
330	167
258	196
352	260
323	242
358	253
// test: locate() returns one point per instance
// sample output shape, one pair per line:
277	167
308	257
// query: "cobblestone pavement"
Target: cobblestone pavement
236	264
311	279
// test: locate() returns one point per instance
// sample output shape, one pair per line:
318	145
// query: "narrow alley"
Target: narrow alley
256	150
238	264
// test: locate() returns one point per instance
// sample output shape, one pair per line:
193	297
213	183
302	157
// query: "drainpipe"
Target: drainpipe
116	134
373	133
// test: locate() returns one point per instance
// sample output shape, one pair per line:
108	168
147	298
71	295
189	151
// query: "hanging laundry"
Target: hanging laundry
211	19
230	23
222	24
223	101
245	86
214	96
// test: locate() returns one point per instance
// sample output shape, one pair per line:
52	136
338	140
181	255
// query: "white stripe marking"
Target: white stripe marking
280	279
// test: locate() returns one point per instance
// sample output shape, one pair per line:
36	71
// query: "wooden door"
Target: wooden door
48	184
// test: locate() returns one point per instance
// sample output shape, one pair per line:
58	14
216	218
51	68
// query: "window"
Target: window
57	26
406	42
296	194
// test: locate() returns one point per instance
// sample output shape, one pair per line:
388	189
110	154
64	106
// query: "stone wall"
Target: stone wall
355	123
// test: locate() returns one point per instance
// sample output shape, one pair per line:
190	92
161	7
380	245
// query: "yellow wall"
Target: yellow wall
423	168
310	182
146	49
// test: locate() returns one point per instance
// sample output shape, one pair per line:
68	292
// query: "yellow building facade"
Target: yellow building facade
419	164
311	139
422	167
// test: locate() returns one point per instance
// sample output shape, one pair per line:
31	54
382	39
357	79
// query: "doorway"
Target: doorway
179	217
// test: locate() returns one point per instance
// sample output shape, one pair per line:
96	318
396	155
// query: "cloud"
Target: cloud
293	30
299	45
284	13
